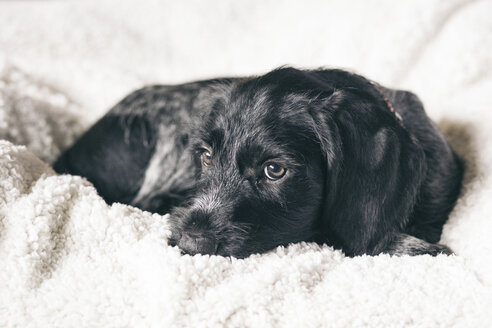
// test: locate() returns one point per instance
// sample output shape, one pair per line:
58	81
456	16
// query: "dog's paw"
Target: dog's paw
437	249
405	244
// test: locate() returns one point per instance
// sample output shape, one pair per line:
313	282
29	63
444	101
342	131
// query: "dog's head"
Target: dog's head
298	156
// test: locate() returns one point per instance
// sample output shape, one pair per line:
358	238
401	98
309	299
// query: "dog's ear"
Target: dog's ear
374	169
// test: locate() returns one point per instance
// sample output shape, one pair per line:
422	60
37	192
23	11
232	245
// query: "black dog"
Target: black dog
247	164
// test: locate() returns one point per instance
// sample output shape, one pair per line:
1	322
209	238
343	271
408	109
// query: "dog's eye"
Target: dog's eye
206	158
274	171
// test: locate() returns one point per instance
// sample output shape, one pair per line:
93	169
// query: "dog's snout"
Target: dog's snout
192	243
197	235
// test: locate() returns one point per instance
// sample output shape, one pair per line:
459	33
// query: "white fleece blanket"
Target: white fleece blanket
69	260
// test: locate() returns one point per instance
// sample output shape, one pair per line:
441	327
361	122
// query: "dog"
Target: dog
248	164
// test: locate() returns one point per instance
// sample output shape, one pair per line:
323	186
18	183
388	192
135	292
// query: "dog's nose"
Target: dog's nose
197	244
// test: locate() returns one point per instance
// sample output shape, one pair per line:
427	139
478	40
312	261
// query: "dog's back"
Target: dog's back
137	152
442	184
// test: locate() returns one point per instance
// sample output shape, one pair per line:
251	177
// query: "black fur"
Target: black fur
358	176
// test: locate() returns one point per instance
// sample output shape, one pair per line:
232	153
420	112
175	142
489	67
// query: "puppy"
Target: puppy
248	164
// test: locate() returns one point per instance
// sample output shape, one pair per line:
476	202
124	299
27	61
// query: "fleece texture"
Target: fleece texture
67	259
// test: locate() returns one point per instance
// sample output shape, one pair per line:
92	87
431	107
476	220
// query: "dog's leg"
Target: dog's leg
113	154
403	244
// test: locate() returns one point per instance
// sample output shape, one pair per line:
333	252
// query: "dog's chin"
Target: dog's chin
232	239
229	250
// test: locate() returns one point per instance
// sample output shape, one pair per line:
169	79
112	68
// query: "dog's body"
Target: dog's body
247	164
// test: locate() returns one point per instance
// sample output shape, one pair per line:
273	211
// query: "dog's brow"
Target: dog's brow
216	138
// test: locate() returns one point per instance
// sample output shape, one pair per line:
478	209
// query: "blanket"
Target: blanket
67	259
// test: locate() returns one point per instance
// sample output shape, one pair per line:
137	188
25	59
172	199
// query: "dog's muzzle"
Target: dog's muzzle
196	236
